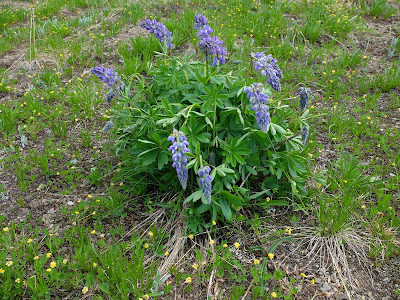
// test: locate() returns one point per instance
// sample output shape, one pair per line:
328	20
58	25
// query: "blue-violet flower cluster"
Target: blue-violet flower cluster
107	75
304	97
180	160
203	30
257	99
160	31
205	182
209	46
269	68
111	77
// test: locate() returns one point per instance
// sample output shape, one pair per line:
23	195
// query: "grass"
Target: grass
76	220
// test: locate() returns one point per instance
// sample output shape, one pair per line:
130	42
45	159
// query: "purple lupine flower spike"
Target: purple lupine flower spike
159	30
209	46
203	30
205	182
257	99
106	75
269	68
200	21
212	46
304	97
179	157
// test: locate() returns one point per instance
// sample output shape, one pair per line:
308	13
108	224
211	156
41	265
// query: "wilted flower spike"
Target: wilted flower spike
304	134
106	75
257	99
159	30
205	182
304	97
269	68
179	157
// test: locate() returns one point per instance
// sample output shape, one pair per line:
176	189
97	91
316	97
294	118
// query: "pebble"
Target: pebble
70	203
386	280
326	287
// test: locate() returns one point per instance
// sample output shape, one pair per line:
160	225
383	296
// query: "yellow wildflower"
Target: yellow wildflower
53	264
274	295
271	256
5	229
211	242
195	266
48	255
36	258
188	280
18	280
48	270
237	245
256	262
9	263
2	271
85	290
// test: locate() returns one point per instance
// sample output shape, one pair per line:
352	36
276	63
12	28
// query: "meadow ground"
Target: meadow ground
76	220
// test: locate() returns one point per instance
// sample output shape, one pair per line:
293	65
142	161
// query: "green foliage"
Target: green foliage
210	107
348	188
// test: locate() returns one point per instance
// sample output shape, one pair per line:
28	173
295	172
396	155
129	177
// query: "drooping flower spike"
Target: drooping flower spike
205	182
180	160
159	30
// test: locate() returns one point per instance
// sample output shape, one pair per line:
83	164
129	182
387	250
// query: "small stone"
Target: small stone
326	287
70	203
386	280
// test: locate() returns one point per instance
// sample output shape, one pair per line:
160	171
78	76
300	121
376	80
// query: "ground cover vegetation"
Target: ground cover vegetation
207	150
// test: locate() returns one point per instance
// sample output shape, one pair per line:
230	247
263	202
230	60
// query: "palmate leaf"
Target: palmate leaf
234	151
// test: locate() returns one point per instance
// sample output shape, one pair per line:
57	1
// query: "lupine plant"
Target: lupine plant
231	141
